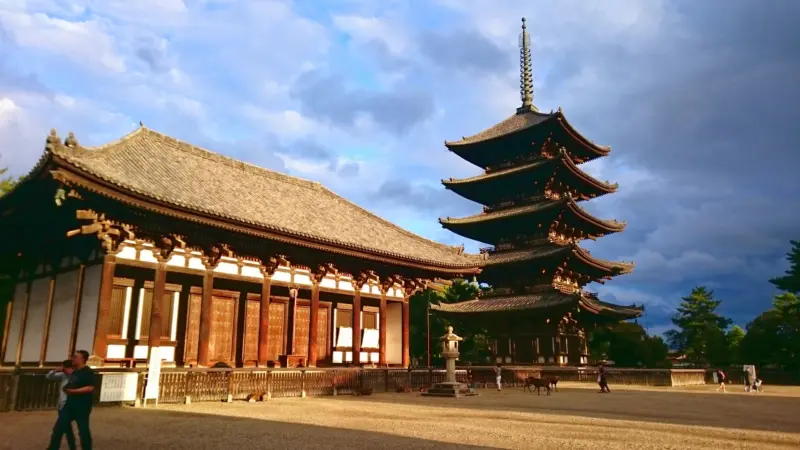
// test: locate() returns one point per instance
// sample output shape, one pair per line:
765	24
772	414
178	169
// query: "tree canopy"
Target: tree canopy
628	345
6	182
700	332
773	338
790	281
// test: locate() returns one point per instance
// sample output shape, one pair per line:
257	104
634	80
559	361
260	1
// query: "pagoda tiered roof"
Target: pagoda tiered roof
528	127
545	300
488	226
529	178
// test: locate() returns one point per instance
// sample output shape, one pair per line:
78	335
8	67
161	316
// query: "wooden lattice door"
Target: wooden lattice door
222	345
301	327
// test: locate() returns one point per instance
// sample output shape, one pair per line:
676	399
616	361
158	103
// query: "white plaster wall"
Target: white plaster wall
34	326
16	323
394	333
88	316
61	317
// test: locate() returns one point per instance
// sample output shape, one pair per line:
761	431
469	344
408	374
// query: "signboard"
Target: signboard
118	387
153	375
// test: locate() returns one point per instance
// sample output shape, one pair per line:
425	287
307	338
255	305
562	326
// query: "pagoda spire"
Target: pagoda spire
525	73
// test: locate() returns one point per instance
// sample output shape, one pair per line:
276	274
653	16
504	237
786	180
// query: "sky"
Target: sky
699	101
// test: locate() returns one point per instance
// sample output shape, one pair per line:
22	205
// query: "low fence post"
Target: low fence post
12	398
137	402
387	380
187	388
303	384
229	398
269	384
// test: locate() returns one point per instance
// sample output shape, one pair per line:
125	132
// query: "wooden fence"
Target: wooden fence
29	390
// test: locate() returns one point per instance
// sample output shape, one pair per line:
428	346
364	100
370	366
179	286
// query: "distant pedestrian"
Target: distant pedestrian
498	375
80	393
748	379
62	427
602	379
721	378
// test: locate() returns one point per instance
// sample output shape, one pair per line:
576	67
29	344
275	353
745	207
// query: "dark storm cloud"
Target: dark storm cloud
154	54
327	98
464	50
428	199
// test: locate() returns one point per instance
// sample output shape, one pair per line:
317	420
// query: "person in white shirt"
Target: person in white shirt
62	375
498	374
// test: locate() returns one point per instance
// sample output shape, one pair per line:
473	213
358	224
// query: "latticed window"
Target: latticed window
167	311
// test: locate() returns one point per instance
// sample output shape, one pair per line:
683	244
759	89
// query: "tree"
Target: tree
734	343
701	331
474	336
6	182
627	344
773	338
790	282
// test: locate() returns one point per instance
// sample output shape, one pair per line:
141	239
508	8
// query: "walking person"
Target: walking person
62	426
80	393
721	380
602	379
498	375
748	380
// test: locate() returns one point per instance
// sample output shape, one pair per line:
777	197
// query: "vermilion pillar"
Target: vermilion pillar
205	319
382	331
357	325
313	349
263	326
406	354
156	305
100	345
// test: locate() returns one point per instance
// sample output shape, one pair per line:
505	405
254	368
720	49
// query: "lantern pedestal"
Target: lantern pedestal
451	387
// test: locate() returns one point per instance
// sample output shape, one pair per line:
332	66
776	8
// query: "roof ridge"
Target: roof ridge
202	152
459	249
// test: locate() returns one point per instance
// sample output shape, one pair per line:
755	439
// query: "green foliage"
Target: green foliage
773	338
790	282
734	339
701	331
475	339
628	345
6	182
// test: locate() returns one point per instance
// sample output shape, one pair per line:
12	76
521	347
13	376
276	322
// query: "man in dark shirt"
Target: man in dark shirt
80	394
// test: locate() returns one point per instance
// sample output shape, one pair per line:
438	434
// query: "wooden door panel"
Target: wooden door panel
252	321
301	327
277	322
193	327
223	329
323	341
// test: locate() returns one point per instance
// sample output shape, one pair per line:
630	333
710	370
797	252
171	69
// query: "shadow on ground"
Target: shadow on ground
128	428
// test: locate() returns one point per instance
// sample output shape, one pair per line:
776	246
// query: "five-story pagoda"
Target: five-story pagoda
537	311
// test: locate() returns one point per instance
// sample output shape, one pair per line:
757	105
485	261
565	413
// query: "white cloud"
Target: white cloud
85	43
366	29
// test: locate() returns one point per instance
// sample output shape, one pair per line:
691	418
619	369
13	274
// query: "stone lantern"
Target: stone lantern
450	353
451	387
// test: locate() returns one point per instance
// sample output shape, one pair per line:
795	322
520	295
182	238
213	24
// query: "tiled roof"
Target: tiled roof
512	256
542	300
162	168
517	122
507	303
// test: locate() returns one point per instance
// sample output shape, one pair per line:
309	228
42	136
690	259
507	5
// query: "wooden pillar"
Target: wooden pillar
406	354
47	318
100	345
382	330
76	310
156	305
205	319
263	324
24	325
357	325
313	328
290	322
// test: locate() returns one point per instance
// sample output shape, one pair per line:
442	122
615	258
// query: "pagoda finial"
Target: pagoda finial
525	74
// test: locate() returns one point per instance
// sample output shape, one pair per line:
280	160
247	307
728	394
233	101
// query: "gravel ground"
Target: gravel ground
575	417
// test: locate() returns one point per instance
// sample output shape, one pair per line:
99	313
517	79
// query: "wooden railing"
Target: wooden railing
29	390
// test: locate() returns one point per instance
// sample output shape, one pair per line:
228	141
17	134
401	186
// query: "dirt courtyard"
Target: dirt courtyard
575	417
